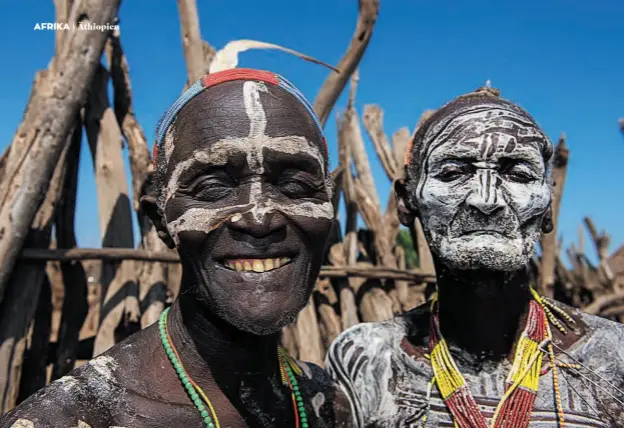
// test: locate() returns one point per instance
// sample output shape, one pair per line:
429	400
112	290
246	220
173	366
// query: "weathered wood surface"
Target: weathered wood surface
47	123
191	39
335	82
120	303
25	283
549	241
75	289
152	277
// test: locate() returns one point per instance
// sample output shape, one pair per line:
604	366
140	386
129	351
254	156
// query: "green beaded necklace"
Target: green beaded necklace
288	369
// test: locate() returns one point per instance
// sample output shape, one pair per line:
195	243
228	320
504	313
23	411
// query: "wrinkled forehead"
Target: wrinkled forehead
483	131
244	114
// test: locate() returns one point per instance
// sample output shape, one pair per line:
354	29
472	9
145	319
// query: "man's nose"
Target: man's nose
258	224
486	197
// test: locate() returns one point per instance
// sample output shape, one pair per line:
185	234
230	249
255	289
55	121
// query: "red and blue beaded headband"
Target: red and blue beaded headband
227	76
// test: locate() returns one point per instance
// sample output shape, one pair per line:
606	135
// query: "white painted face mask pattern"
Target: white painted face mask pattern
476	213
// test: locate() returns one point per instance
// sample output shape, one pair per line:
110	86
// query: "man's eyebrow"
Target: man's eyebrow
301	160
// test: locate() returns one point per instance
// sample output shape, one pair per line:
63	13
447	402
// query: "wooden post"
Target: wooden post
309	335
191	39
152	276
335	82
34	367
75	304
549	241
48	123
118	280
18	308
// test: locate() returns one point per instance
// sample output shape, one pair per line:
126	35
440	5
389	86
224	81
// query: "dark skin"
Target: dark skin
226	333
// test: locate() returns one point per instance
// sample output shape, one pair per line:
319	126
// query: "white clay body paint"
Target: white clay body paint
253	145
23	423
105	366
504	234
387	388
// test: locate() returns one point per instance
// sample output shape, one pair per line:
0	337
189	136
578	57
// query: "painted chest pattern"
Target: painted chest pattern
388	388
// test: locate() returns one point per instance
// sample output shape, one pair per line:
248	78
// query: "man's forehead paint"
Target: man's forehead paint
261	127
253	145
473	120
289	101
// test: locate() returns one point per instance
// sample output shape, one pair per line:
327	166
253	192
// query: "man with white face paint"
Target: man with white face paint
242	191
487	350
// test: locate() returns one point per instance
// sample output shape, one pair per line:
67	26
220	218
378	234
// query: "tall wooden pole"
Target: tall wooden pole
51	118
549	241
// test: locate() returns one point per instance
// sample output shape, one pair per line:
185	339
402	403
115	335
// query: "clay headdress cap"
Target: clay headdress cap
228	76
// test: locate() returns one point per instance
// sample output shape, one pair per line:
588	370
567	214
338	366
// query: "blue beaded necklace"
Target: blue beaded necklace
288	369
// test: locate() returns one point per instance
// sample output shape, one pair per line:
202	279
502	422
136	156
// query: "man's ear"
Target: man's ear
547	221
406	215
149	205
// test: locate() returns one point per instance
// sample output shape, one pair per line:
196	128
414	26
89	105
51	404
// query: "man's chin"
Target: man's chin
489	252
261	320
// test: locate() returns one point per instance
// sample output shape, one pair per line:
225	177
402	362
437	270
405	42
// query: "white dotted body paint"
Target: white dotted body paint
253	146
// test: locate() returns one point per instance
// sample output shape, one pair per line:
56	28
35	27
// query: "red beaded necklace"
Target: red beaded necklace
514	408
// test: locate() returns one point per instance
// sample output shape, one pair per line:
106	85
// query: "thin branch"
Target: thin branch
117	254
335	82
373	123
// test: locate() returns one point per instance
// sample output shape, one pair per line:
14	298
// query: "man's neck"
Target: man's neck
212	349
482	313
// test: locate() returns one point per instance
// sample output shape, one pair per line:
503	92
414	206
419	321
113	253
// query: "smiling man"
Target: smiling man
241	190
487	350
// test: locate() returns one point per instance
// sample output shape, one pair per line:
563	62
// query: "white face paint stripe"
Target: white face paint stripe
254	145
254	108
219	152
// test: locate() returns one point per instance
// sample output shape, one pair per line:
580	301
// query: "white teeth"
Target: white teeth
256	265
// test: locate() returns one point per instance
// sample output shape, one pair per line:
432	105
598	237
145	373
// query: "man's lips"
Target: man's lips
256	264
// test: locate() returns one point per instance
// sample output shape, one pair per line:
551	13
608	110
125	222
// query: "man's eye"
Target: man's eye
211	188
518	171
451	173
295	188
520	174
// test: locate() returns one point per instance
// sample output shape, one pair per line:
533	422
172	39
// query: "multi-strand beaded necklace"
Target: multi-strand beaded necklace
288	370
514	408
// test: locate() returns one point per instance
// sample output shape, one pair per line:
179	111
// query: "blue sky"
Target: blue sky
561	60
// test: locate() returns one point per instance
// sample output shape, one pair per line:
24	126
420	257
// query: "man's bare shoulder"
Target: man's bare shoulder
91	395
84	398
373	342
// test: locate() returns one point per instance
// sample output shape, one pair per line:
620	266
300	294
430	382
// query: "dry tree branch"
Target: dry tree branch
51	119
191	39
140	162
601	243
599	305
549	241
353	137
118	254
153	276
336	81
400	141
373	123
